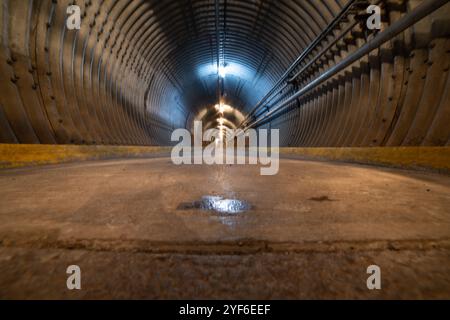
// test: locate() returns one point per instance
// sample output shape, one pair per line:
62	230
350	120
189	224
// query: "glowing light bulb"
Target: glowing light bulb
222	71
220	107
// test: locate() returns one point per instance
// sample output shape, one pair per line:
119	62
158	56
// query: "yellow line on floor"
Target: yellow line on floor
20	155
435	158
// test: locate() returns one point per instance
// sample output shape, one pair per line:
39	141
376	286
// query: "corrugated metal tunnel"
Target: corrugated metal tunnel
136	70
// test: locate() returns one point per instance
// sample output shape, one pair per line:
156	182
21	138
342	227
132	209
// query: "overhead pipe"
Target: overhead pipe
312	61
420	12
300	58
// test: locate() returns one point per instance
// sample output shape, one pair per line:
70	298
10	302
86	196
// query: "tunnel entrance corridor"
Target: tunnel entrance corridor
344	110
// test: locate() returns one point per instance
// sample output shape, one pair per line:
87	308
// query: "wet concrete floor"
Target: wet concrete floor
149	229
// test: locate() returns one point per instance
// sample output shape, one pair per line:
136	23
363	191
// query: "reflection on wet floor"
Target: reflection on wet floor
217	204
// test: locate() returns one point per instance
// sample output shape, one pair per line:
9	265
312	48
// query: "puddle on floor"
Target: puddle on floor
217	204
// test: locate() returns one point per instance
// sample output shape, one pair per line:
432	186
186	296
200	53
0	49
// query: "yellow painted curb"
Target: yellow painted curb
435	158
20	155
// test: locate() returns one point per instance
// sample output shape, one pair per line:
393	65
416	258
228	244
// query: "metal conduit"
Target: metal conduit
300	58
411	18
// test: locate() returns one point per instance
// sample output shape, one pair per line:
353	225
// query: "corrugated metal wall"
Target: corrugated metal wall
133	72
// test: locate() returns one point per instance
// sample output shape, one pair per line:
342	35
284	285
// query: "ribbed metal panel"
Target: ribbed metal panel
137	69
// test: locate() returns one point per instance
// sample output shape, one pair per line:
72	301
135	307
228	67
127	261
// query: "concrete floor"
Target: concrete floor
312	231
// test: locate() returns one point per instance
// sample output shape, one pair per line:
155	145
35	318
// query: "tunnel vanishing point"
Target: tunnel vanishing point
92	90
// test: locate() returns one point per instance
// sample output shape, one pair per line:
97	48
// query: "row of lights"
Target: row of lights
220	107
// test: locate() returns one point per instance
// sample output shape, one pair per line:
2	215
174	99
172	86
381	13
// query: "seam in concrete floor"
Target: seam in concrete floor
239	247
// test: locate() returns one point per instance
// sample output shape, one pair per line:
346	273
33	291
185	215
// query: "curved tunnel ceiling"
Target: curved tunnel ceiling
137	69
